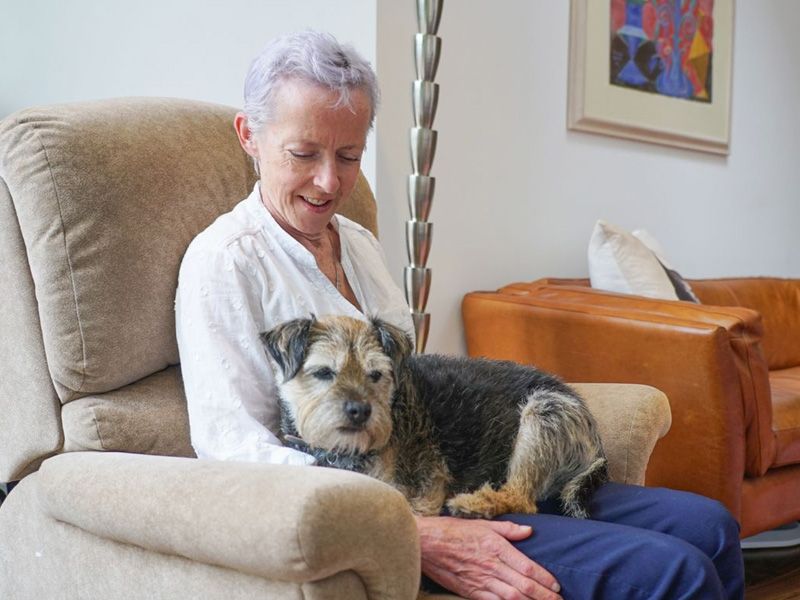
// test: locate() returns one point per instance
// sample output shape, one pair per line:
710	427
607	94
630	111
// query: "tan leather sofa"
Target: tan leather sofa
729	366
98	202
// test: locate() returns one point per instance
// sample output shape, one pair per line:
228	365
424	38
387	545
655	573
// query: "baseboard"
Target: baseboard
784	536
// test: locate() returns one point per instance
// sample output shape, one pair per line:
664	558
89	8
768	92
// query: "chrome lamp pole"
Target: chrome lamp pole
421	186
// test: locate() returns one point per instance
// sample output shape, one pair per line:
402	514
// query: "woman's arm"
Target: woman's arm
229	383
475	559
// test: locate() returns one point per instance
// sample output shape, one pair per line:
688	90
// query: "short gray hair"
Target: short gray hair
311	56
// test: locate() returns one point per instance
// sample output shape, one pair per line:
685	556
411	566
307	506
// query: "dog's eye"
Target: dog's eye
324	374
375	376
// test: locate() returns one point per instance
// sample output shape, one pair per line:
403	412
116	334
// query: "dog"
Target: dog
476	436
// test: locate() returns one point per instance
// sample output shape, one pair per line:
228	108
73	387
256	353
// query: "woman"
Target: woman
283	253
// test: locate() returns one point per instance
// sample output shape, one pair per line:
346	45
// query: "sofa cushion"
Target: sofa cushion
785	385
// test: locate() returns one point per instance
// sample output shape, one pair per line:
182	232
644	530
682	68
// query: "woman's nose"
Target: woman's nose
326	176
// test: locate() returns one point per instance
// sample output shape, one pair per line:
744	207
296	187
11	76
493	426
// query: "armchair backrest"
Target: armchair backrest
98	202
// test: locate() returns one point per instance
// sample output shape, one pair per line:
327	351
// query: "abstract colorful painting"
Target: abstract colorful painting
663	47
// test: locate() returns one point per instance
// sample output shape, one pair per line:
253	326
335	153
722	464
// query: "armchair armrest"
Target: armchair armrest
631	419
707	360
274	521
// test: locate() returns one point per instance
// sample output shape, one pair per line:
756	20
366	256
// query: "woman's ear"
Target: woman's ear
246	137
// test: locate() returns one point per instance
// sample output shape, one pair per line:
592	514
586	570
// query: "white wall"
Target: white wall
517	194
53	51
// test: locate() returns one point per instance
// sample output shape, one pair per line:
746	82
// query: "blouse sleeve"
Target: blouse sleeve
229	383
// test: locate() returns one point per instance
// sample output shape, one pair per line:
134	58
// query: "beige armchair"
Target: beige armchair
98	202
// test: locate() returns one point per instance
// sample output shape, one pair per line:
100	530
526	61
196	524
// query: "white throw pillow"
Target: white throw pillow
682	288
619	262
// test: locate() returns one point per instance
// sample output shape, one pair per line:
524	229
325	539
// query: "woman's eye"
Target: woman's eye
375	376
349	158
298	154
324	374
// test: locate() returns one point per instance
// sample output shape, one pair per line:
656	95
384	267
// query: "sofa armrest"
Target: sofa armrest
631	419
707	360
274	521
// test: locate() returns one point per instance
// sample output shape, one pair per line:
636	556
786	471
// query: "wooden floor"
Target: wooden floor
772	574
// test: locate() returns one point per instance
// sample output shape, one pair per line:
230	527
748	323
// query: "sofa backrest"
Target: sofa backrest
98	202
778	302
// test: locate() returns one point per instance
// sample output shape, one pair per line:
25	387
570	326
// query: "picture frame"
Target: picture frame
597	106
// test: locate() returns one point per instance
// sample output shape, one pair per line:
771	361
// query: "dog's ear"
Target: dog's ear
287	344
395	342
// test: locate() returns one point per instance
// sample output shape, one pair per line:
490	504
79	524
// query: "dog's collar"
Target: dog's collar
359	462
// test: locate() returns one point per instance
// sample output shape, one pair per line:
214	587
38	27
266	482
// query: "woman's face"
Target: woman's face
310	155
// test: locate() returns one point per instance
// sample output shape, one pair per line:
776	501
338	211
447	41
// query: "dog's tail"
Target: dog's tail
578	491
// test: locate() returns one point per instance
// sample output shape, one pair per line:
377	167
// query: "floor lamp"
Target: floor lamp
421	186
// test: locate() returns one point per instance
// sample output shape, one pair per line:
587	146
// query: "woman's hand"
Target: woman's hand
475	559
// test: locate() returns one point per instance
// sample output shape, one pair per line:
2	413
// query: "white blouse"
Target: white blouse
242	276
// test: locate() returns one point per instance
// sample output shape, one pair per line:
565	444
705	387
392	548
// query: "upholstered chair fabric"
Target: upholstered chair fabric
98	202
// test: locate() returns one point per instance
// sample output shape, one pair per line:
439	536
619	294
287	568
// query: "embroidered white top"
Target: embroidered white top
242	276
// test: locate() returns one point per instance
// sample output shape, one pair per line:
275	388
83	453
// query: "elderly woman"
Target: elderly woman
283	253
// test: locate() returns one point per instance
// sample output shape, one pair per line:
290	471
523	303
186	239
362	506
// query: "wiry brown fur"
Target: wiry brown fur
480	437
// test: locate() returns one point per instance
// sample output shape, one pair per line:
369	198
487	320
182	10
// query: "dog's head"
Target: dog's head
337	377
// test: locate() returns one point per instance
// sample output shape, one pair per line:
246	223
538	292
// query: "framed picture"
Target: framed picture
652	70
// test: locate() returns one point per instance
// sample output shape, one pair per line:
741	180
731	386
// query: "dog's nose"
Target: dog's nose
357	412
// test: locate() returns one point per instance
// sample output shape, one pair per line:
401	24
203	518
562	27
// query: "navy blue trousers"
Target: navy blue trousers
640	543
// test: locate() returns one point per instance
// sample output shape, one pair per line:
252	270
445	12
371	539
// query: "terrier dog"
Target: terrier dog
480	437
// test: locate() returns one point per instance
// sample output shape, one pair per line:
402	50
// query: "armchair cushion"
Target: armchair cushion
75	173
148	417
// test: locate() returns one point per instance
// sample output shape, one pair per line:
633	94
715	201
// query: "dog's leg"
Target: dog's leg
428	499
555	448
487	502
427	506
531	461
558	451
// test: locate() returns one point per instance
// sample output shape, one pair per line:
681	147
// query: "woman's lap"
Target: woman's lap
639	543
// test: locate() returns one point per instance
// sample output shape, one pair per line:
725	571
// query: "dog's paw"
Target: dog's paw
487	502
471	506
